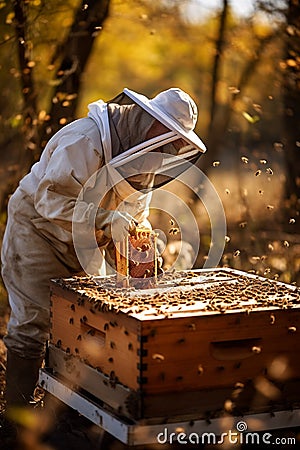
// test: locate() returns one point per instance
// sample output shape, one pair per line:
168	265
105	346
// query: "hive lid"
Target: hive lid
194	292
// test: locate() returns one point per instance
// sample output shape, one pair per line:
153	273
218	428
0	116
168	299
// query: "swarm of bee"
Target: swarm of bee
215	292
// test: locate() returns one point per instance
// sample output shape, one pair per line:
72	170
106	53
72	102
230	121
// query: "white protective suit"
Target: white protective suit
38	243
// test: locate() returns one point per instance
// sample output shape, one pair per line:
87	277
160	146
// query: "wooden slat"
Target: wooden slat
91	380
182	357
104	339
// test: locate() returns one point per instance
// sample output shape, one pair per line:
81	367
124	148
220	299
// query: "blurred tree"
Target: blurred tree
255	41
73	54
69	58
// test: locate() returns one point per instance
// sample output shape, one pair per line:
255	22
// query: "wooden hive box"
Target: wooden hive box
197	342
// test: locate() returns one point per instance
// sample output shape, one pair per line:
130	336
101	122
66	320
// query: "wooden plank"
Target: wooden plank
101	339
199	374
219	401
222	351
222	323
94	382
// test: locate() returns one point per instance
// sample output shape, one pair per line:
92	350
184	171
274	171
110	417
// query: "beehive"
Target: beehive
196	341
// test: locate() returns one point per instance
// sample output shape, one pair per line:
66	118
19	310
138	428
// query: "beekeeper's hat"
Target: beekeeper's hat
175	109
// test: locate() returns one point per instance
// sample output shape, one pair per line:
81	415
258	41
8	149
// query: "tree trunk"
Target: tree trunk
216	66
291	86
74	54
29	129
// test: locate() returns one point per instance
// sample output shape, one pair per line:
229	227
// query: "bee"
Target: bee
272	319
200	369
91	332
228	405
256	349
158	357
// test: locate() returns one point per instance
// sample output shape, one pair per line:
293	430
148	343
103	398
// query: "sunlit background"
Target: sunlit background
240	62
237	59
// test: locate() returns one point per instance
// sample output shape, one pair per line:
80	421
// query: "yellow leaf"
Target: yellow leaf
249	118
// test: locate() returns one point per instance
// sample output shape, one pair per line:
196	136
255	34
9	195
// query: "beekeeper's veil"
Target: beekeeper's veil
148	162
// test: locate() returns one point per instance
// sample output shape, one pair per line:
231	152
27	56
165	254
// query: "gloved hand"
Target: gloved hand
122	224
119	225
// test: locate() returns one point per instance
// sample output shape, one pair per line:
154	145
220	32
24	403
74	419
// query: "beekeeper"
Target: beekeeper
93	179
